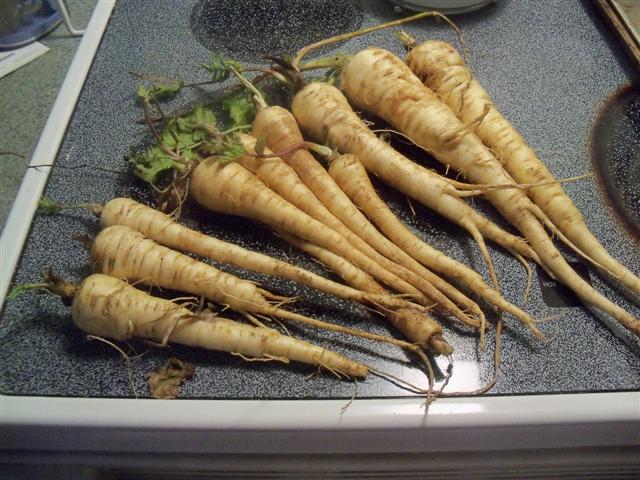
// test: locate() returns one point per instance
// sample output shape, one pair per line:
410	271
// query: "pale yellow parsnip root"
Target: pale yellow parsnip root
108	307
352	177
441	68
279	128
351	274
379	82
164	230
124	253
231	188
416	326
282	179
325	114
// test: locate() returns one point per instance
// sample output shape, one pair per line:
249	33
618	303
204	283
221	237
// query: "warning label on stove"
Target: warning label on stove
554	293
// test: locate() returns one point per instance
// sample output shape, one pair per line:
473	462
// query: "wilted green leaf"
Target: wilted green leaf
27	287
144	93
232	149
168	89
203	115
159	90
196	123
182	135
170	136
46	206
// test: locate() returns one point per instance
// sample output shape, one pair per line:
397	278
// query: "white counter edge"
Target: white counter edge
25	204
317	426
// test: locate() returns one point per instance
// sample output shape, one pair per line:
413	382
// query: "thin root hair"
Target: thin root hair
353	397
265	358
126	358
496	368
254	320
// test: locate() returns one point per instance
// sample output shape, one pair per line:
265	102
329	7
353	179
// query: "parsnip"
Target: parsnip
125	253
108	307
325	114
164	230
381	83
443	70
281	178
279	128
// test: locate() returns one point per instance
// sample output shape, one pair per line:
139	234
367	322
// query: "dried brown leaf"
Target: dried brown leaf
165	381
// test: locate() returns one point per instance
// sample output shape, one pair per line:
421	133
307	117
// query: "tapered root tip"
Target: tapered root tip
439	345
538	334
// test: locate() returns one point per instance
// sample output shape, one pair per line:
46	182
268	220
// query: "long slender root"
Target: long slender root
546	221
529	270
477	236
353	397
254	320
497	355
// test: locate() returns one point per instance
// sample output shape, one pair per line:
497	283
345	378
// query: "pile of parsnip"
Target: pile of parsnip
319	197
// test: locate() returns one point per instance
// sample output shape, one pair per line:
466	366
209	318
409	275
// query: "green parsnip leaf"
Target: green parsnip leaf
261	144
227	148
197	123
144	93
27	287
219	67
240	108
169	89
182	135
233	151
159	91
151	164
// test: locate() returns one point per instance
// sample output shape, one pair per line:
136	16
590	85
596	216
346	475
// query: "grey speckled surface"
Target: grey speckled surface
549	66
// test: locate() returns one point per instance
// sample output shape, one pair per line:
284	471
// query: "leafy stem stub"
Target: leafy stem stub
52	284
159	91
220	67
47	206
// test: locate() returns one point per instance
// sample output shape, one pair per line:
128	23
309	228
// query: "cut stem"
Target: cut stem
257	95
46	206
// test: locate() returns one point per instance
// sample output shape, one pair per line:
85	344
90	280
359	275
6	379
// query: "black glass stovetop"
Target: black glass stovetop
553	69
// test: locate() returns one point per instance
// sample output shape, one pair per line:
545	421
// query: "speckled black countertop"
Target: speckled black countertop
549	65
